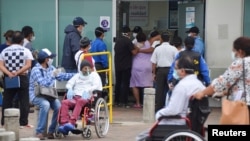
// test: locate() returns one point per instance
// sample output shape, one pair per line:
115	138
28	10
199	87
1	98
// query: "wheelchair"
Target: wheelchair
193	130
95	109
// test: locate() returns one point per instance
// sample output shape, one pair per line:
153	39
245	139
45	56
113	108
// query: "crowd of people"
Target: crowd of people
175	67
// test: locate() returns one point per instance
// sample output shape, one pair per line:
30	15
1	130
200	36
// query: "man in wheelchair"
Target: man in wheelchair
178	103
80	88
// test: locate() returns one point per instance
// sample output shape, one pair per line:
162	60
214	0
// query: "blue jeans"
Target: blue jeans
44	106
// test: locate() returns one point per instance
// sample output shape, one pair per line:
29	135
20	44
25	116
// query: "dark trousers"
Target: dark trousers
99	66
161	87
23	97
122	89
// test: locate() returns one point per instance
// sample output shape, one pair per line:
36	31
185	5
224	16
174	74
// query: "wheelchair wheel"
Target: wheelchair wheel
183	135
101	118
86	133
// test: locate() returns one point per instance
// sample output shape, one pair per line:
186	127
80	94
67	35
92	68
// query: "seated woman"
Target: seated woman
80	88
178	104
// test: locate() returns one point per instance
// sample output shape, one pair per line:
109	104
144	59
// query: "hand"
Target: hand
70	94
56	72
199	95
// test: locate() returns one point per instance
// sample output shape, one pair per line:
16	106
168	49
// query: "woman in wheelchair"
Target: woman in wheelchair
178	103
80	88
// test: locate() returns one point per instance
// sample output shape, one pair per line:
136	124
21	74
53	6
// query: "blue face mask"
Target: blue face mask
175	75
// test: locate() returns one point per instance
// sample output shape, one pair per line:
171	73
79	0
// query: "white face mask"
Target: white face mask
32	38
155	43
134	35
189	34
175	75
50	61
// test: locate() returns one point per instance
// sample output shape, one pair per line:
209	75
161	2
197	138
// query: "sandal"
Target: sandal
137	106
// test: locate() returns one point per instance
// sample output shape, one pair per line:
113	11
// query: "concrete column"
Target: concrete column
37	110
7	136
29	139
149	105
11	120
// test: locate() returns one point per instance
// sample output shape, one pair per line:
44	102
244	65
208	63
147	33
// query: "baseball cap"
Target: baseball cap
100	30
79	21
137	29
45	53
194	30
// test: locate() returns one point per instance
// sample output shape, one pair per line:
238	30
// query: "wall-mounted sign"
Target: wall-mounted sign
190	17
138	13
105	22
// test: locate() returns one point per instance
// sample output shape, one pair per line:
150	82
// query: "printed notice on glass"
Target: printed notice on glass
190	17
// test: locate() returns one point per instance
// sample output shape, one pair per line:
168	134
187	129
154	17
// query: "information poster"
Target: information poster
190	17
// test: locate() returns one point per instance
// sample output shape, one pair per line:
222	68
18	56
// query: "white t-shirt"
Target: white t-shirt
15	57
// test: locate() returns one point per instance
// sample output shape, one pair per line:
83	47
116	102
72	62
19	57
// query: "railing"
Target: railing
109	86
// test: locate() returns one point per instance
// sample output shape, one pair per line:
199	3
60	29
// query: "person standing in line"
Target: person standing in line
141	73
199	44
45	74
8	37
101	61
15	60
71	44
80	55
135	31
124	51
161	59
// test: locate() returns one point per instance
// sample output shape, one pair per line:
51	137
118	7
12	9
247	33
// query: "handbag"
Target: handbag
46	91
235	112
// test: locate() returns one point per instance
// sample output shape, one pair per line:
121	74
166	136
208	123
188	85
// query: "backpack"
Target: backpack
199	112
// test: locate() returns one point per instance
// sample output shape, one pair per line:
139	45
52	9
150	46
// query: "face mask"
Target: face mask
233	56
32	38
50	61
175	75
134	35
189	34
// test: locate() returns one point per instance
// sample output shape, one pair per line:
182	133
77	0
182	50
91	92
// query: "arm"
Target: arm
204	70
74	45
42	80
71	83
64	76
4	69
25	67
148	50
173	108
153	70
97	83
104	58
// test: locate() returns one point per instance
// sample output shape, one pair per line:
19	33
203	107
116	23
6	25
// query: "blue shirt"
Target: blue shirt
99	46
199	46
204	71
44	77
3	46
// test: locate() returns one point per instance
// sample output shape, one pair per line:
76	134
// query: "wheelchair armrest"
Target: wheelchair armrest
170	117
96	91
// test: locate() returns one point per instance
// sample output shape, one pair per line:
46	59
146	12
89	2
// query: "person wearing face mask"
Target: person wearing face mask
45	74
135	31
73	34
80	89
85	46
15	60
182	92
232	79
141	72
161	60
199	44
98	45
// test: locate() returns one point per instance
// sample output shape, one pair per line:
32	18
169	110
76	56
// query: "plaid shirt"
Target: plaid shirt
44	77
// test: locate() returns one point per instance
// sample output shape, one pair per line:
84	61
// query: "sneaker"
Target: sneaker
69	127
40	136
62	130
26	126
50	136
